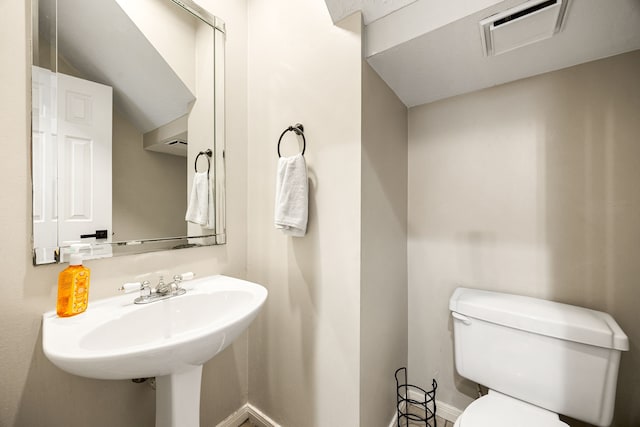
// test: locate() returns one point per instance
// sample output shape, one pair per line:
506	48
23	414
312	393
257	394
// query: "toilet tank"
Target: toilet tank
557	356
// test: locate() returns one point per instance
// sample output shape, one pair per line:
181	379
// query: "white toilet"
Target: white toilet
538	358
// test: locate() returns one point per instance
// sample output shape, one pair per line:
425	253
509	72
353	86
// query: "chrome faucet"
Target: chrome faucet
161	291
145	289
163	288
175	285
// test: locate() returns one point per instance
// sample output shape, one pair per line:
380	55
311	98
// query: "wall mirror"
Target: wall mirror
127	113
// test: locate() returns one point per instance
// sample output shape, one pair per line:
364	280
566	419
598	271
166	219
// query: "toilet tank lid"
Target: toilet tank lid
539	316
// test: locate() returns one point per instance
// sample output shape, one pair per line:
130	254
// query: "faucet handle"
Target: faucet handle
186	276
130	287
176	289
179	278
143	287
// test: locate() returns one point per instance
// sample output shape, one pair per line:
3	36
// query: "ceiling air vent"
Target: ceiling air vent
519	26
175	141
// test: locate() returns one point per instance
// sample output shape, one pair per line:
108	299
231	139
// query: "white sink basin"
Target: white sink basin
116	339
172	338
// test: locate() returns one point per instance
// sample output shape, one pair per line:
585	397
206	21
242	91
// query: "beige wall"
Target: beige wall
383	286
149	188
304	348
532	188
33	391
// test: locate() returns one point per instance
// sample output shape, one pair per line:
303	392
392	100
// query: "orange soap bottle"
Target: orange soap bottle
73	288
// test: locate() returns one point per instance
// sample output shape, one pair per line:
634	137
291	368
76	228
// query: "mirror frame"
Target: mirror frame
137	246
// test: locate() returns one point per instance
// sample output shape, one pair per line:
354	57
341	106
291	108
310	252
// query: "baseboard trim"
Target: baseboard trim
448	412
394	419
248	412
260	419
236	419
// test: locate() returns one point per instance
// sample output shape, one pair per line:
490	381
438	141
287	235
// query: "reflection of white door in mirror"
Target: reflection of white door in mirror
85	128
45	212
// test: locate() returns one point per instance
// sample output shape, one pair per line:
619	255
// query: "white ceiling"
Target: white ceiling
431	49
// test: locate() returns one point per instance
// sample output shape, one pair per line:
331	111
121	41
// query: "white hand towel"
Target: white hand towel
292	196
198	209
211	211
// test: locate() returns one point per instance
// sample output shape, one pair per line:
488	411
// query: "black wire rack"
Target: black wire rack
415	405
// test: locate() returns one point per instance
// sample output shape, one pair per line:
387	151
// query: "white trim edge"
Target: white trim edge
394	420
235	419
248	412
446	411
259	418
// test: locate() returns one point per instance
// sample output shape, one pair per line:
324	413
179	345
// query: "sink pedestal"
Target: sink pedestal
178	399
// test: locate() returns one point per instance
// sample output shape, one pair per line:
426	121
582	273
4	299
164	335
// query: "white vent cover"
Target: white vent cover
519	26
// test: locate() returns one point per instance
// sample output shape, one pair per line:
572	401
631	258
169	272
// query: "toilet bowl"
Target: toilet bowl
497	410
538	358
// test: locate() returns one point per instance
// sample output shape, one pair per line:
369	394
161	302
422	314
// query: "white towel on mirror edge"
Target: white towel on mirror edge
292	196
211	211
200	210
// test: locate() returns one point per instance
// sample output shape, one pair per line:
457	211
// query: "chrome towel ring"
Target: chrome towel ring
298	129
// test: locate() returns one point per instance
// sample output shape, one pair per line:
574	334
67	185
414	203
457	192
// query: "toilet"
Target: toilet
537	358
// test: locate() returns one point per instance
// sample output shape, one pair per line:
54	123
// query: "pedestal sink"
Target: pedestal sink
169	339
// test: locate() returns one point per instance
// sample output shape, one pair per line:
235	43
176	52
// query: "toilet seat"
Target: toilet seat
498	410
